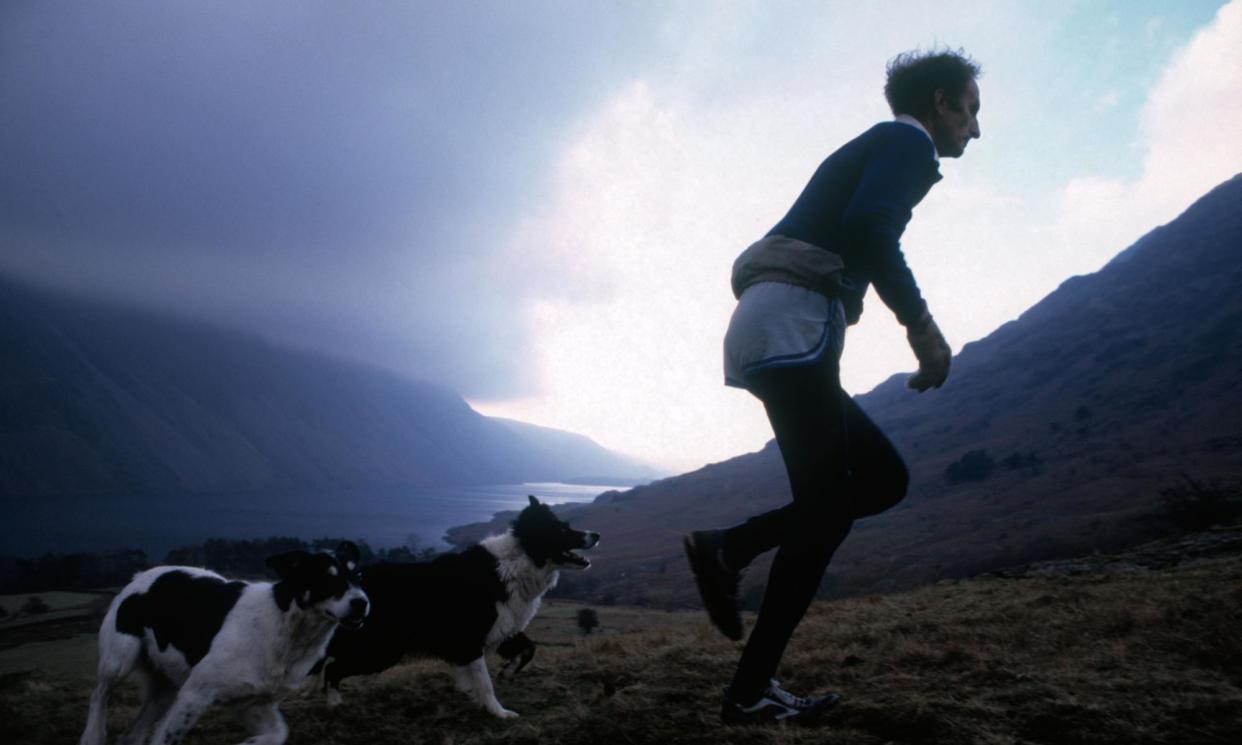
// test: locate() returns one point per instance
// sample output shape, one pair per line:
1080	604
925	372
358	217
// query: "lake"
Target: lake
383	519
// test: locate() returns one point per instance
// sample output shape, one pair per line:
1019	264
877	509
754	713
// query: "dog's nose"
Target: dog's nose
359	607
592	539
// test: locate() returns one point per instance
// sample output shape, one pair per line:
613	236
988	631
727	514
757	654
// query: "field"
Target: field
1119	655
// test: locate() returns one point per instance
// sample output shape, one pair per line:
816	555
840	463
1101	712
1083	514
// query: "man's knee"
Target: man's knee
883	490
807	524
899	481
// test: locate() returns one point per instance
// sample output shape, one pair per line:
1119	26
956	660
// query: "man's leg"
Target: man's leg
878	476
808	412
742	543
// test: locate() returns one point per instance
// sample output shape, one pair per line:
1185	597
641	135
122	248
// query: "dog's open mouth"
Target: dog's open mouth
572	558
351	622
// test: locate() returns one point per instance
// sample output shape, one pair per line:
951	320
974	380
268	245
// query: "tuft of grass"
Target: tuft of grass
1141	658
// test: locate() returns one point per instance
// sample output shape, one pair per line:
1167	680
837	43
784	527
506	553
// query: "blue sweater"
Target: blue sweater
857	205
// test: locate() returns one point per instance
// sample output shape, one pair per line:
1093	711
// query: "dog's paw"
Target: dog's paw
334	698
504	713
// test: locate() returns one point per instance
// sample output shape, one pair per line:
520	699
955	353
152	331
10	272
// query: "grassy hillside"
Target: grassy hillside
1105	652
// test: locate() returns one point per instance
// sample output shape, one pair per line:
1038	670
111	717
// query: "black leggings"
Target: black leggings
841	467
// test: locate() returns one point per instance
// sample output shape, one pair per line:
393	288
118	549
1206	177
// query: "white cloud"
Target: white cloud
1190	127
642	217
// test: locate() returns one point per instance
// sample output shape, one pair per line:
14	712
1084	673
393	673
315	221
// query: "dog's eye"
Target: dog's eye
355	576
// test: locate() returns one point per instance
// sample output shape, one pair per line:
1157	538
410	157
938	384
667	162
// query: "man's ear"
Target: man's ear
940	100
286	564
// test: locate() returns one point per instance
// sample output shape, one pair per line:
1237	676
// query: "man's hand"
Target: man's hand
932	352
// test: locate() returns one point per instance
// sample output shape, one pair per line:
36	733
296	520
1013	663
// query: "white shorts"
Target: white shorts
780	325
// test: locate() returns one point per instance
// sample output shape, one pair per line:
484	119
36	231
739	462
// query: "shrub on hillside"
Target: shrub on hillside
34	606
1016	461
405	554
975	465
588	620
1196	505
413	550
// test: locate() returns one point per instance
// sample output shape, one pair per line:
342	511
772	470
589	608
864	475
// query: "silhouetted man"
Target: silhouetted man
798	288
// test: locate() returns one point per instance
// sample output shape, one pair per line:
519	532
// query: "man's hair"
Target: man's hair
913	78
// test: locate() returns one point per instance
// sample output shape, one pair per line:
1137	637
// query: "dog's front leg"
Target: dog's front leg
484	695
191	701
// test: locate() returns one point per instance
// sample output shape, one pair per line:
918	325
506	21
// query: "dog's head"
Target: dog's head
547	539
323	582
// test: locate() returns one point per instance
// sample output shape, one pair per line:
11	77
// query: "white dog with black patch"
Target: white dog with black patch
196	638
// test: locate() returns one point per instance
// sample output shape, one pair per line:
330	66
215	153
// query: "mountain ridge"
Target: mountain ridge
100	398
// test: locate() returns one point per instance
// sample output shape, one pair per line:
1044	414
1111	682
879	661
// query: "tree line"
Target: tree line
230	557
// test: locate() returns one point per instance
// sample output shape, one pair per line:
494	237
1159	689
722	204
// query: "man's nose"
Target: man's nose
974	129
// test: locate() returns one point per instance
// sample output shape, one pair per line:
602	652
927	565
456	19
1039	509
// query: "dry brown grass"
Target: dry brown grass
1138	658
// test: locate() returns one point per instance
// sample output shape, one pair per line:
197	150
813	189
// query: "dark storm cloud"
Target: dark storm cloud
330	174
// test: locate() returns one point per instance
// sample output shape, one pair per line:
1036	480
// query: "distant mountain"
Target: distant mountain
1054	436
101	399
577	455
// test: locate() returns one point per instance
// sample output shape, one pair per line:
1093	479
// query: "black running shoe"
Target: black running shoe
767	710
818	703
717	582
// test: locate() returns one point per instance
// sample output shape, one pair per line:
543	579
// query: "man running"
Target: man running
798	288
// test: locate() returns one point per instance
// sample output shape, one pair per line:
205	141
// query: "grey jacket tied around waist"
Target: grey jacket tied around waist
778	258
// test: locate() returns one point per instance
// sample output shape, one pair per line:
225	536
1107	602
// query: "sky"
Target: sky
537	204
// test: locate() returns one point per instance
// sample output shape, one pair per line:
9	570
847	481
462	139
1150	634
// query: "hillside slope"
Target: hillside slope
101	399
1079	413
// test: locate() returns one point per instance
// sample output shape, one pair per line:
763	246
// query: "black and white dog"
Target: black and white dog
460	606
196	638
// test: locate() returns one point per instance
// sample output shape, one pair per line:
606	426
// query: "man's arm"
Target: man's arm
896	178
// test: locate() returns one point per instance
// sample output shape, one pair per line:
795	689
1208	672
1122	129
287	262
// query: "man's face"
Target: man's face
955	123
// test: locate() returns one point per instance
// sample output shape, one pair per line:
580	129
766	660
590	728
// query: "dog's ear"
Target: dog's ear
348	554
287	563
533	502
